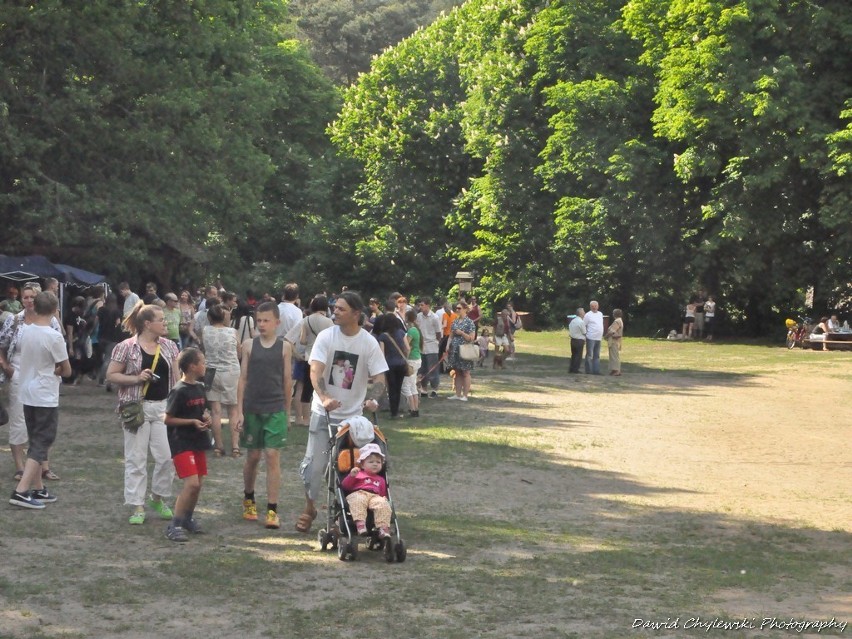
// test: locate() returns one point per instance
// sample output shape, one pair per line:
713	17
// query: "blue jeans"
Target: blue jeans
593	356
428	361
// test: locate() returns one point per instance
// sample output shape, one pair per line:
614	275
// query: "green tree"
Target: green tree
154	138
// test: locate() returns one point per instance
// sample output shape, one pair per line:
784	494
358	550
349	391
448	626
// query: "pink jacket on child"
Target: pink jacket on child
365	481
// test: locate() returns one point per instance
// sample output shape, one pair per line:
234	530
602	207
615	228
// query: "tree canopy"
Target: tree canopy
634	151
639	152
155	136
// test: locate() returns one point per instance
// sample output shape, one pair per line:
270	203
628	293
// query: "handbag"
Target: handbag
132	416
469	352
130	413
409	369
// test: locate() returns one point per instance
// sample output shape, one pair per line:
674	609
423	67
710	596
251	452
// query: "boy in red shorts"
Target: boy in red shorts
188	429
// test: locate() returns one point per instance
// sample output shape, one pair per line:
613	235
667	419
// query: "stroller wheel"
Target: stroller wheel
390	556
323	539
347	551
399	549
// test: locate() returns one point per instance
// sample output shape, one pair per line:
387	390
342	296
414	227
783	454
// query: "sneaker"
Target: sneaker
361	527
272	520
25	500
44	496
433	394
137	518
193	527
176	533
161	508
249	510
462	399
456	397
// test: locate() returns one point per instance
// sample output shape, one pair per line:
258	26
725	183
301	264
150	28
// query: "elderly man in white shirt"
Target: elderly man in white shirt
577	332
594	334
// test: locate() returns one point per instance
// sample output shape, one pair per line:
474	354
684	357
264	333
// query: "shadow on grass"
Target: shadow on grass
505	539
544	373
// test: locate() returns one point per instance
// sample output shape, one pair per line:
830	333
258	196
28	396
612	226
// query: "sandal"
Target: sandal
235	452
305	521
219	452
49	474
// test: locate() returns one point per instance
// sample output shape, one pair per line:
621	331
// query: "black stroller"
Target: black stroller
340	530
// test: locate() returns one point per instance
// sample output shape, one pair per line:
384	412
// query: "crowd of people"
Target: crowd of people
180	369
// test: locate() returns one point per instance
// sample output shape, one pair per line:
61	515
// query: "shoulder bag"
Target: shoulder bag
131	413
409	369
469	351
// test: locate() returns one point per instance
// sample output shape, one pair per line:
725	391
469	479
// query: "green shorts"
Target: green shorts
264	430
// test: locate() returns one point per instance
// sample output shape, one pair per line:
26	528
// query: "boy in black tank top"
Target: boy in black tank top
263	405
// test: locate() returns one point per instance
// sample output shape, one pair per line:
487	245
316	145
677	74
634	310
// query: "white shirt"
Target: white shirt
594	325
430	328
42	348
290	315
350	361
129	302
577	328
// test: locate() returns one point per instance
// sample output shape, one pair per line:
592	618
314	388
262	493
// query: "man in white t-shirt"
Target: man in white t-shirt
577	333
594	334
430	329
343	360
289	310
130	298
44	359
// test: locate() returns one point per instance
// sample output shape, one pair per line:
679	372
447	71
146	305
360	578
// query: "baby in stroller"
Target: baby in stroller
360	503
366	489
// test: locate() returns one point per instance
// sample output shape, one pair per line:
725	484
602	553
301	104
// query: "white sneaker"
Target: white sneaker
463	399
453	397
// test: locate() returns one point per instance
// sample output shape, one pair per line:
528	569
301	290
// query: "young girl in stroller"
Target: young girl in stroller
360	504
366	489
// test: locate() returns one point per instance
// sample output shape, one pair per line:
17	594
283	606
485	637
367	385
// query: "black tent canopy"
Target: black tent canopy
33	267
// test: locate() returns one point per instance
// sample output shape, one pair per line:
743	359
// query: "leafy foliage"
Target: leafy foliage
636	151
154	135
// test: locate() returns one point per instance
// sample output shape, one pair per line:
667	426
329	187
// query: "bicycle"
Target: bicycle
797	332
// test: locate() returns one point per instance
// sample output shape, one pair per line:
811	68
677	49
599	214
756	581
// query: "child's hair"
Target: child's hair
45	303
269	307
485	332
189	356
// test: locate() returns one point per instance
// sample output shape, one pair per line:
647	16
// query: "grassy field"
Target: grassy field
546	506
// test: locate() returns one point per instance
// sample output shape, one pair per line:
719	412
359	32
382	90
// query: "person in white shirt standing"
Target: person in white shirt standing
289	309
594	334
430	328
577	332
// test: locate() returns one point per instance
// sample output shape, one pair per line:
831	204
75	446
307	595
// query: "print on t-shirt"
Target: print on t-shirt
343	369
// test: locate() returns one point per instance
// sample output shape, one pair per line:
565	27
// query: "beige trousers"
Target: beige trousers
360	501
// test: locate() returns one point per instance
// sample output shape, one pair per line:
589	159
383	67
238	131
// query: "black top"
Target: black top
109	322
187	401
158	389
